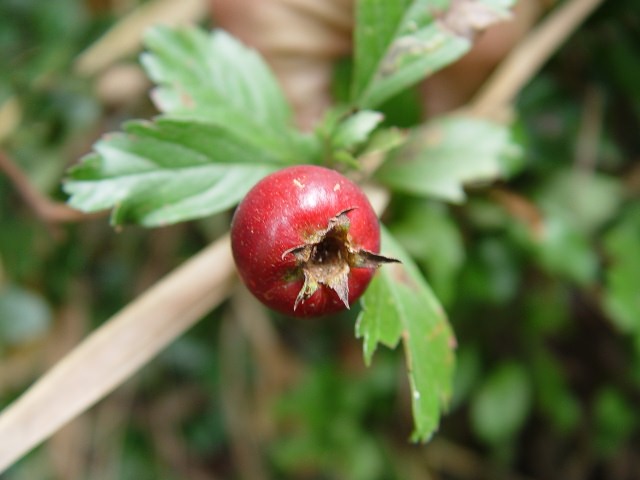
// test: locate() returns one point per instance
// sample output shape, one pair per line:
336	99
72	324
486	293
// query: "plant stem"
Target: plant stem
529	56
48	210
116	350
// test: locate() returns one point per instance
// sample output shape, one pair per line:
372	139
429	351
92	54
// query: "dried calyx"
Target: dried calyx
328	257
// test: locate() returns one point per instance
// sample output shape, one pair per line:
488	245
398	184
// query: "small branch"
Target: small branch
116	350
529	56
46	209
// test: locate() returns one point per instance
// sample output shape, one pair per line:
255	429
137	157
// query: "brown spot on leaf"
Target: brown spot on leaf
405	47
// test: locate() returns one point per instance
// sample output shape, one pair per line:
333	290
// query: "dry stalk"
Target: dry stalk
116	350
526	59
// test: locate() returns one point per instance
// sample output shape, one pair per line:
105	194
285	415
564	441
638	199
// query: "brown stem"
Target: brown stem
529	56
46	209
116	350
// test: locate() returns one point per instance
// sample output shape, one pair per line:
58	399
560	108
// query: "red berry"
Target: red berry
306	240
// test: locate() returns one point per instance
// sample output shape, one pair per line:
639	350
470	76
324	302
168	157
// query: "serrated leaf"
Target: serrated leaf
167	171
399	43
442	156
200	74
212	77
400	305
226	124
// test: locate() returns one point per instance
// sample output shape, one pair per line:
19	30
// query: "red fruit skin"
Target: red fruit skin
283	211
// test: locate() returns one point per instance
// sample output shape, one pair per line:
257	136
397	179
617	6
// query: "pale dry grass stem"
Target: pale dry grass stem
116	350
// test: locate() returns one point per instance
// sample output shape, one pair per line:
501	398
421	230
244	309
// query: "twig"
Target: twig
529	56
116	350
47	210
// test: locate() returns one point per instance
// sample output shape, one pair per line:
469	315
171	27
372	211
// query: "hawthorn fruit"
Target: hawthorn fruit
305	241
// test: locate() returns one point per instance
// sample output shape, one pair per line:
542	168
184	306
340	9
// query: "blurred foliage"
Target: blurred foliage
540	274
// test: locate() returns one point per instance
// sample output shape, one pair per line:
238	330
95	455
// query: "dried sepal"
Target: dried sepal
328	257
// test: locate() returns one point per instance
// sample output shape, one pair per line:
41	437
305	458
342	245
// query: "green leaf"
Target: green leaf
356	129
622	293
502	405
441	157
384	140
212	77
400	42
215	79
168	171
400	305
